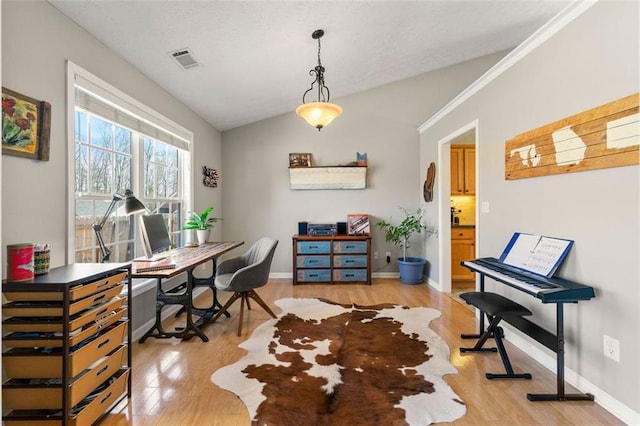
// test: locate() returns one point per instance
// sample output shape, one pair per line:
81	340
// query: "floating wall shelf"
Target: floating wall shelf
328	177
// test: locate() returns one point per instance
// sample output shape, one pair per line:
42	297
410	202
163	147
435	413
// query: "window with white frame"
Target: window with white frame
121	145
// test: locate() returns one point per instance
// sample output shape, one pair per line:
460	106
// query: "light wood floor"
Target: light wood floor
172	386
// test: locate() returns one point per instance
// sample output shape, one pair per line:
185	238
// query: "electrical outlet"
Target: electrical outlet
611	348
375	255
387	255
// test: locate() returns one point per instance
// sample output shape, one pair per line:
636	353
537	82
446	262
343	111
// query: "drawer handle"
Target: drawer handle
105	398
102	370
349	261
314	275
102	296
349	275
103	343
313	261
103	284
313	247
101	312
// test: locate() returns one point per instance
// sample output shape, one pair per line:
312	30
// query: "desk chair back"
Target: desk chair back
243	274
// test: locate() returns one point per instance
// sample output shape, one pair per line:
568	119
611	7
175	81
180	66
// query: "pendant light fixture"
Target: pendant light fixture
321	112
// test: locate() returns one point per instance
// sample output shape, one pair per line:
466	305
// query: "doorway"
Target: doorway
458	215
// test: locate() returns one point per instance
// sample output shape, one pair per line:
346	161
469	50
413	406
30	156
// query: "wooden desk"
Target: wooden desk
186	258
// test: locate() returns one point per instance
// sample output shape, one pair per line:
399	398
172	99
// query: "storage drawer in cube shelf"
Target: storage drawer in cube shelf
313	261
41	395
22	363
350	261
350	275
314	275
349	246
314	247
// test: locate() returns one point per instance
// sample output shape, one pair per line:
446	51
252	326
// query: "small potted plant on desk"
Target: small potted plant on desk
202	223
411	268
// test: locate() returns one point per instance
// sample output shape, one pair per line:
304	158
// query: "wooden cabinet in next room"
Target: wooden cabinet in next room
463	247
463	170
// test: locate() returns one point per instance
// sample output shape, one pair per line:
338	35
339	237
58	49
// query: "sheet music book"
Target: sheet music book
147	266
536	253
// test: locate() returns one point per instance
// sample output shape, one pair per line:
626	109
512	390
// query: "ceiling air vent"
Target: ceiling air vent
184	58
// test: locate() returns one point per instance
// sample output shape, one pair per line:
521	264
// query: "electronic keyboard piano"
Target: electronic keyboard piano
547	290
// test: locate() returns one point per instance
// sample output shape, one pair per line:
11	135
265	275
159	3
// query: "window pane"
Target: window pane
122	173
172	183
161	182
81	126
82	168
152	207
85	256
123	252
101	169
172	157
123	140
105	159
160	153
101	133
84	219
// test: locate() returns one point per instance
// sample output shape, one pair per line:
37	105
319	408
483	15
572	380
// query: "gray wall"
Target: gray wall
33	63
381	122
592	61
34	194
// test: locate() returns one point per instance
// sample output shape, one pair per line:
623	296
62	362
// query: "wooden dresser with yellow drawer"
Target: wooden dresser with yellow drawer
67	359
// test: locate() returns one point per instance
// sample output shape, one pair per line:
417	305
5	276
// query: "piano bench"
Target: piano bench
496	307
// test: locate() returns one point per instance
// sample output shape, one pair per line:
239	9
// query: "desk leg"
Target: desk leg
560	395
207	313
183	298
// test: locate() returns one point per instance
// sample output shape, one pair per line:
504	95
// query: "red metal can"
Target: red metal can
19	262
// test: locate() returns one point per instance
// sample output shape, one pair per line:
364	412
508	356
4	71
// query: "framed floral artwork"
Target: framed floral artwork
25	126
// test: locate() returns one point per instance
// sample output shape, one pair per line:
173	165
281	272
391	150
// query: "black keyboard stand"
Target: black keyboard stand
560	395
554	342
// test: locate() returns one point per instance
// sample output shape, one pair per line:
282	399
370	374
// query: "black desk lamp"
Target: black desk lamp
131	205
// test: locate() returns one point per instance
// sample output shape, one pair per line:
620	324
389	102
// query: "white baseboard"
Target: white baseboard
435	284
385	275
548	360
275	275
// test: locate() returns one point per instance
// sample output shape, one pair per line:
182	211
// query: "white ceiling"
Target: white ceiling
255	55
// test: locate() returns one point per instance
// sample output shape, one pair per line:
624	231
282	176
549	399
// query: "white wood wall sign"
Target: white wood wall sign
606	136
328	177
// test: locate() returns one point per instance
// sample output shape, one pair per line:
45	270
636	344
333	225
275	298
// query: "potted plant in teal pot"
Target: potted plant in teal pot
202	223
411	268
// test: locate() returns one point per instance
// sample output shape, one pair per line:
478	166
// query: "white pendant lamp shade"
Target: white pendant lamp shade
319	114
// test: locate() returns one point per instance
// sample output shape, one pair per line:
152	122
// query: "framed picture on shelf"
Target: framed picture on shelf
300	160
25	126
358	224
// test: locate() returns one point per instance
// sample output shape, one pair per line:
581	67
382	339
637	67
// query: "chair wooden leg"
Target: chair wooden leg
243	298
254	296
232	299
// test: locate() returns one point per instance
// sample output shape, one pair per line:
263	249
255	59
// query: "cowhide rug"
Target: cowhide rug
321	363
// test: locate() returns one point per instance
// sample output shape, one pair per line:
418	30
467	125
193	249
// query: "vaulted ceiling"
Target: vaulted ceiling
254	56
